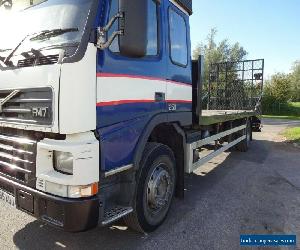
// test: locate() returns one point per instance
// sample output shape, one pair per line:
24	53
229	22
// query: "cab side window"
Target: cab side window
178	38
153	31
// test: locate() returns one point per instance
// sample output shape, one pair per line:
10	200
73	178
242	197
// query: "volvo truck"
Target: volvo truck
102	111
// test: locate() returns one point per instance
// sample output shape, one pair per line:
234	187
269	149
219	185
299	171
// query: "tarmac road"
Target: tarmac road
251	193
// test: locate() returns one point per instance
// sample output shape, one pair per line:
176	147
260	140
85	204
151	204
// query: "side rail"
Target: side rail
193	159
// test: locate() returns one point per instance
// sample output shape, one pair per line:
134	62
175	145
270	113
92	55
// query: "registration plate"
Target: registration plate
8	198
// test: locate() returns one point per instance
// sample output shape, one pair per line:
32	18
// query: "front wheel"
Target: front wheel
155	188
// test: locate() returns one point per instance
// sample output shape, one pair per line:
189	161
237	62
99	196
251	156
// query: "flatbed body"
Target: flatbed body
210	117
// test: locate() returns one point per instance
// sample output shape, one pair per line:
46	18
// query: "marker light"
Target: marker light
82	191
71	191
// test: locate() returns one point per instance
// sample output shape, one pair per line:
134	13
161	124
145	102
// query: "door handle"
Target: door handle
160	97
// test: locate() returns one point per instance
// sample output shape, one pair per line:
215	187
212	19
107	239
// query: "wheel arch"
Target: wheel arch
170	125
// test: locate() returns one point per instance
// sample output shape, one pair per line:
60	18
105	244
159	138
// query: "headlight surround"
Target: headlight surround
63	162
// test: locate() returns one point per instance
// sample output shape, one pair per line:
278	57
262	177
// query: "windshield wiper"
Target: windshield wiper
2	58
7	61
3	50
61	45
47	34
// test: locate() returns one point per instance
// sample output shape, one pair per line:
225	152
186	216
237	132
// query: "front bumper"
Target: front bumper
73	215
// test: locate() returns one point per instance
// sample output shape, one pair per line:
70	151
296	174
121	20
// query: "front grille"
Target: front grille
18	157
28	106
38	61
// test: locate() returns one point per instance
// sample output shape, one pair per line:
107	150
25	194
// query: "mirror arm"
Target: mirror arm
101	32
112	21
104	45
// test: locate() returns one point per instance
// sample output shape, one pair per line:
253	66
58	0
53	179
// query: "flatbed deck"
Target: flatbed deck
209	117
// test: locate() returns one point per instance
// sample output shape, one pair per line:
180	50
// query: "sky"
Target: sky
268	29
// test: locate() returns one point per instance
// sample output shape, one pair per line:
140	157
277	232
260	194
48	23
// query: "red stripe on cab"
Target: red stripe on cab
114	103
179	101
120	102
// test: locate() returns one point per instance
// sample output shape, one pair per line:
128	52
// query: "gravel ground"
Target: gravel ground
253	193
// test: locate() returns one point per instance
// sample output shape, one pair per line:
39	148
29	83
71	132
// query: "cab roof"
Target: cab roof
187	5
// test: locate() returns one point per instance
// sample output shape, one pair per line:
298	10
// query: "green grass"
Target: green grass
285	117
293	134
289	111
295	104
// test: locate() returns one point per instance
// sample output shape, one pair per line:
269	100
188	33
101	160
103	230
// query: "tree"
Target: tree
215	53
295	82
279	87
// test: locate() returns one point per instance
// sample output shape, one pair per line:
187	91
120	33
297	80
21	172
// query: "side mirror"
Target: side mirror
133	41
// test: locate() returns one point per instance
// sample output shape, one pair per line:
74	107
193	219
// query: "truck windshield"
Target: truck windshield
50	23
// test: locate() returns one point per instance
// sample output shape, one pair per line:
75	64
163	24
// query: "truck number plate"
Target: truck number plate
8	198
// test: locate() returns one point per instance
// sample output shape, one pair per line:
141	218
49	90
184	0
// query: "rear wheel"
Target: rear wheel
155	188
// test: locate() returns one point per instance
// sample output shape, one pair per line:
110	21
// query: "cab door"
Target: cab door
179	85
129	88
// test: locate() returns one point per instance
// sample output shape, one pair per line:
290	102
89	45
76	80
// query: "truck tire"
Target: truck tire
244	145
154	190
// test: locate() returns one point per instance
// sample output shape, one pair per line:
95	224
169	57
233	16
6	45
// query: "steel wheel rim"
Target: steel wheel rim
159	190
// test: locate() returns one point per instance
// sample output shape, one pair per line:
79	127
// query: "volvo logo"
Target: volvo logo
6	99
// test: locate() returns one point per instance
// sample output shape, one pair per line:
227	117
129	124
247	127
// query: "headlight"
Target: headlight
63	162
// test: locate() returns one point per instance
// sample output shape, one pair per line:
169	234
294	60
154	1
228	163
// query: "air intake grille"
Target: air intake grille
45	60
27	106
17	158
26	62
37	61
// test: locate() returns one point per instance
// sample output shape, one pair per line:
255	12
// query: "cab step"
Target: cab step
115	214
